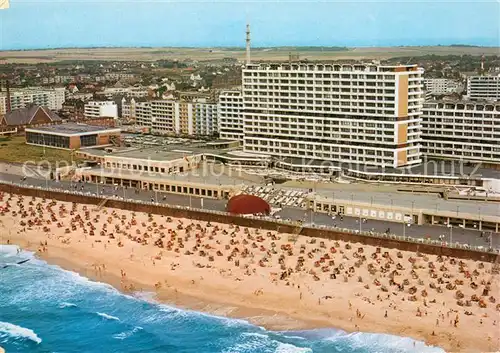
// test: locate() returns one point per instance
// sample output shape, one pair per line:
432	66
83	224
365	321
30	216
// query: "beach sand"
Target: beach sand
279	281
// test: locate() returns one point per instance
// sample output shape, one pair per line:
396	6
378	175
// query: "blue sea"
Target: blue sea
45	309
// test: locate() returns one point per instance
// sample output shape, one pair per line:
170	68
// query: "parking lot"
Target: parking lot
278	197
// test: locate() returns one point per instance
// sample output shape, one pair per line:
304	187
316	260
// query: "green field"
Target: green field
15	150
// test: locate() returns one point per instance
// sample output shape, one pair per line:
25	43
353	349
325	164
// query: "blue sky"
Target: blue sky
84	23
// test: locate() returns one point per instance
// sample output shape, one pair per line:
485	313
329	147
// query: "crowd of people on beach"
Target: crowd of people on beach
445	289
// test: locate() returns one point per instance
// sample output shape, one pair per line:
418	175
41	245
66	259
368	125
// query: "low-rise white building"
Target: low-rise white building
462	130
112	76
441	85
129	92
483	87
97	109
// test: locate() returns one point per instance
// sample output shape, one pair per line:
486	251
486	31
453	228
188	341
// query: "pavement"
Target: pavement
464	236
457	234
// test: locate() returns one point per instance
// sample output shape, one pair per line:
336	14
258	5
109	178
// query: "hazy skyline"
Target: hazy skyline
81	23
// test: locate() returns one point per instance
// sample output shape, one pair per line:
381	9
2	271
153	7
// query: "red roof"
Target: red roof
247	204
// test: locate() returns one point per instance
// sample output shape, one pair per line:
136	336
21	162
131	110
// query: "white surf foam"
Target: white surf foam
382	343
126	334
14	251
255	334
67	305
107	316
289	348
19	332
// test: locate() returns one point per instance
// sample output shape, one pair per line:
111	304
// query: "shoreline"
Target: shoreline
182	298
251	292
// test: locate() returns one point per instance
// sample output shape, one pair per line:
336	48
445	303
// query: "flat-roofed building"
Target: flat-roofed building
53	98
483	87
184	119
128	109
206	123
143	114
362	114
163	116
96	109
230	111
441	85
71	136
462	130
3	105
174	171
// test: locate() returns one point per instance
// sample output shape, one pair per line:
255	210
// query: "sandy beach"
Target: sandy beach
279	281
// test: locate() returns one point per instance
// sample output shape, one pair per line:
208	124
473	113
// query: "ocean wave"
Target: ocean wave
375	342
9	251
107	316
65	288
255	334
19	332
126	334
176	313
149	297
290	348
390	343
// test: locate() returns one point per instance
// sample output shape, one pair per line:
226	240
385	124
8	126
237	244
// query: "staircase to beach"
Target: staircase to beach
99	207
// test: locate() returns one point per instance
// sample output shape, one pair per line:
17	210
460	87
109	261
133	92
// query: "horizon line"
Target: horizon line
257	47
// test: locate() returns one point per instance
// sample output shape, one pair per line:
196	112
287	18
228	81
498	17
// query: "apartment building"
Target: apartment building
441	85
230	115
57	79
463	130
483	88
114	76
164	114
143	114
184	122
52	98
363	113
173	117
97	109
128	109
206	119
130	92
3	105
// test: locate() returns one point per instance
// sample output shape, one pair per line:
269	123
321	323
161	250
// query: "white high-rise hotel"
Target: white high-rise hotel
361	113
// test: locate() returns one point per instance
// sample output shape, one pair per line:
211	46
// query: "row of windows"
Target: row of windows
47	140
364	76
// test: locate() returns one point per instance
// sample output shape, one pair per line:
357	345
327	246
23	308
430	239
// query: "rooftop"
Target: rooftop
30	114
164	151
337	67
429	168
198	176
71	129
429	202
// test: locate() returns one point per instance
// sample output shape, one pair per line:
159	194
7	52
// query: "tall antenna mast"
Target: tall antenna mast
248	45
